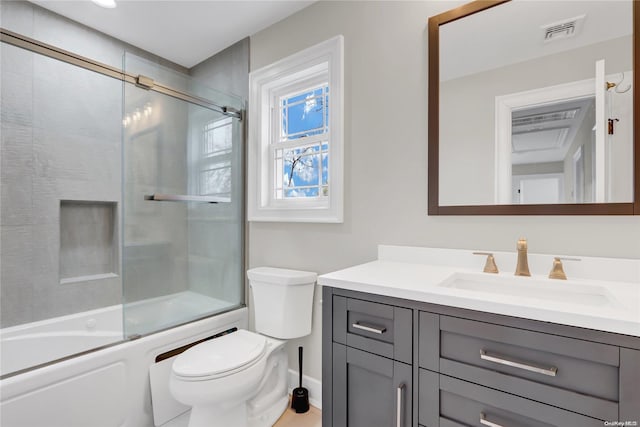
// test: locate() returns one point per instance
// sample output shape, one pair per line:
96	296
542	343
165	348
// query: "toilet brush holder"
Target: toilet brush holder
300	395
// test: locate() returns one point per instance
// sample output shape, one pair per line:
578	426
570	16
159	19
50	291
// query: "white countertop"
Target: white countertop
419	280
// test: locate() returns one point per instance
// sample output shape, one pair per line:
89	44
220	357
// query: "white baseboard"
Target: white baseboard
313	385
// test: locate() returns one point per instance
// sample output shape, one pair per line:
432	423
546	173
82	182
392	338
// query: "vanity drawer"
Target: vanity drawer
467	404
381	329
583	367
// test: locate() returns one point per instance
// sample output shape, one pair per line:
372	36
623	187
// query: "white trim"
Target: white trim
505	104
578	165
313	385
304	66
601	135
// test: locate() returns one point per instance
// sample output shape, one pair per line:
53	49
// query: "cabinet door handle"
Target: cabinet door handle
495	358
485	422
399	396
369	328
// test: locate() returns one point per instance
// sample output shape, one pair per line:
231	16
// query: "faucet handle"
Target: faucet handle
489	266
557	272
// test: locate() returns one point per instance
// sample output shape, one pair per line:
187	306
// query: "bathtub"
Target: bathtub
40	342
105	387
36	343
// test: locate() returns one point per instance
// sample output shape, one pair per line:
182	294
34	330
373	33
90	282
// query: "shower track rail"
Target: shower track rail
36	46
185	198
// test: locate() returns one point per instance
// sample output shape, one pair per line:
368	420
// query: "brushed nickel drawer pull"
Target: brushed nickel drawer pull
369	328
485	422
399	405
495	358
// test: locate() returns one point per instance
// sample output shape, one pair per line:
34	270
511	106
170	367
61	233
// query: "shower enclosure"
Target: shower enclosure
122	202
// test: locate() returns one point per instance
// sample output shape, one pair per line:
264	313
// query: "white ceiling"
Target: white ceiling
185	32
546	141
512	33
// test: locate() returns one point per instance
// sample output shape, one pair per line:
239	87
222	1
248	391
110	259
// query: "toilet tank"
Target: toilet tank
282	301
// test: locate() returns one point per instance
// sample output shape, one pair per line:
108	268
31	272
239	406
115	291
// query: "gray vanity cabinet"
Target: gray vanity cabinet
451	367
370	390
463	403
372	353
546	368
381	329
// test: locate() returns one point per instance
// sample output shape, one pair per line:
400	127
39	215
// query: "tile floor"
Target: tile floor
313	418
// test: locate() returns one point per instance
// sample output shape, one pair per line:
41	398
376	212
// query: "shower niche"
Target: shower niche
88	241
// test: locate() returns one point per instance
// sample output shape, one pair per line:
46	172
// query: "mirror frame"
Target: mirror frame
434	208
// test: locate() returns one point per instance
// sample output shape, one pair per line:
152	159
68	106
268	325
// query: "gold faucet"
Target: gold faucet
490	265
557	272
522	267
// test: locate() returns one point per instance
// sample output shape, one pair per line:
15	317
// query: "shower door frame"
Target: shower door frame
144	82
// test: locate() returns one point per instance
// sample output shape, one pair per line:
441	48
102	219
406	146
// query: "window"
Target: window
295	139
214	161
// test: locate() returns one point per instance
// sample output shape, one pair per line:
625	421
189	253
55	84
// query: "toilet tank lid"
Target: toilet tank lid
281	276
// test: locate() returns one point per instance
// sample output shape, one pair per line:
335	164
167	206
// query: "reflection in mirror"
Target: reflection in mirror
544	141
536	104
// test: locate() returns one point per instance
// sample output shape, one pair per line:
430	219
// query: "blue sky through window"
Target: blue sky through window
305	114
304	169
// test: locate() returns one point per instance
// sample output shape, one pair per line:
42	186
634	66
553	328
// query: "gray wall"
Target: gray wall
216	242
226	71
386	159
61	140
57	144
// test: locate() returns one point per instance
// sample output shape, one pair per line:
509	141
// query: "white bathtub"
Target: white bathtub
108	387
40	342
35	343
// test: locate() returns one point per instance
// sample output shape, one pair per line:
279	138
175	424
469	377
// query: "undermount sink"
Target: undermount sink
561	291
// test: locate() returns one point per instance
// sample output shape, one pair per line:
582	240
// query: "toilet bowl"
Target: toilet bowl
240	379
219	377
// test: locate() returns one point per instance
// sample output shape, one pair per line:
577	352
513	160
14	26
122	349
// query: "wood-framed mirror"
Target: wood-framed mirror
533	109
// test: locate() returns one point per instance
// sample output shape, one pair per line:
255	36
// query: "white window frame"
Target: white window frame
313	66
205	161
198	161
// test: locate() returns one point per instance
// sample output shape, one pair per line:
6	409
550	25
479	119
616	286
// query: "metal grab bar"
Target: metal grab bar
550	371
185	198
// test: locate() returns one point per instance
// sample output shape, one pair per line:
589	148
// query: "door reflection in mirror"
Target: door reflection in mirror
482	74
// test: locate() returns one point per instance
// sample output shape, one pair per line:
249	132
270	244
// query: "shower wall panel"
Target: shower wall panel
63	131
65	144
216	269
60	140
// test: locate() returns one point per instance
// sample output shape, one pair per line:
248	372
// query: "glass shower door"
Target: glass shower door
183	204
60	282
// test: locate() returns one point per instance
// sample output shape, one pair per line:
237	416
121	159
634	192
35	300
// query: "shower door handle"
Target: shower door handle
185	198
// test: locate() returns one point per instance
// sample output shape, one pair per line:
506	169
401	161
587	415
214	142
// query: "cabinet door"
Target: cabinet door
368	390
629	385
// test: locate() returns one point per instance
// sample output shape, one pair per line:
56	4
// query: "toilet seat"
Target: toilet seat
220	357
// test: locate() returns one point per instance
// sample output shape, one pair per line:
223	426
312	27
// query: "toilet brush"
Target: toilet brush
300	395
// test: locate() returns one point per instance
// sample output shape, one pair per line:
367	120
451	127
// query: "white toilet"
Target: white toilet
240	379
